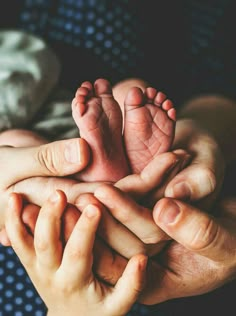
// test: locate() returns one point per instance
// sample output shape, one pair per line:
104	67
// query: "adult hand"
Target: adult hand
48	162
202	179
200	259
206	128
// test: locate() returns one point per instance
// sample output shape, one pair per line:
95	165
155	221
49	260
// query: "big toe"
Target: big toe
134	97
102	86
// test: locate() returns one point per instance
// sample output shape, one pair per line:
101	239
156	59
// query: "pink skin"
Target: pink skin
149	126
99	119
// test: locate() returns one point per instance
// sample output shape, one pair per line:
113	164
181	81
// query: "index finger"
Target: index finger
135	217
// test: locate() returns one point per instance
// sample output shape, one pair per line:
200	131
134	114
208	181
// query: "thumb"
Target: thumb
58	158
192	183
194	229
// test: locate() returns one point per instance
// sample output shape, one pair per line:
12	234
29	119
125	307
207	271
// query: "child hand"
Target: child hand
63	275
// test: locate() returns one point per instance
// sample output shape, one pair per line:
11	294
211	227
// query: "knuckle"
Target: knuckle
123	216
47	160
209	177
206	236
41	244
65	287
75	253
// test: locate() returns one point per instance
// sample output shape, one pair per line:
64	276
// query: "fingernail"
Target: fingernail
72	152
91	211
173	164
179	190
186	161
143	263
169	212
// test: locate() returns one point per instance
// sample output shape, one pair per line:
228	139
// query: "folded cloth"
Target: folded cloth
29	70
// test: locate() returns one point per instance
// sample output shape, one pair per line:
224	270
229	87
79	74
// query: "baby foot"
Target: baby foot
99	119
149	126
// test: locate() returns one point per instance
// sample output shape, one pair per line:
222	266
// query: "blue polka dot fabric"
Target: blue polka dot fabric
110	32
18	297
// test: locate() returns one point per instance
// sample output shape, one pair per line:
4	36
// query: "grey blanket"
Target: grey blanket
30	97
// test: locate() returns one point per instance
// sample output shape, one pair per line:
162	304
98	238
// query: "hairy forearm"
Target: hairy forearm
216	115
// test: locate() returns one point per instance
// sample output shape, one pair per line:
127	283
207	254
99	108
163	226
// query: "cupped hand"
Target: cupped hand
199	258
202	256
49	262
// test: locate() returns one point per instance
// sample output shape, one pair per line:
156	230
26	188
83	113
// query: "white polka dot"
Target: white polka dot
8	307
38	301
19	286
10	279
108	44
19	300
28	307
9	293
68	26
90	29
2	257
29	293
10	264
10	251
20	271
